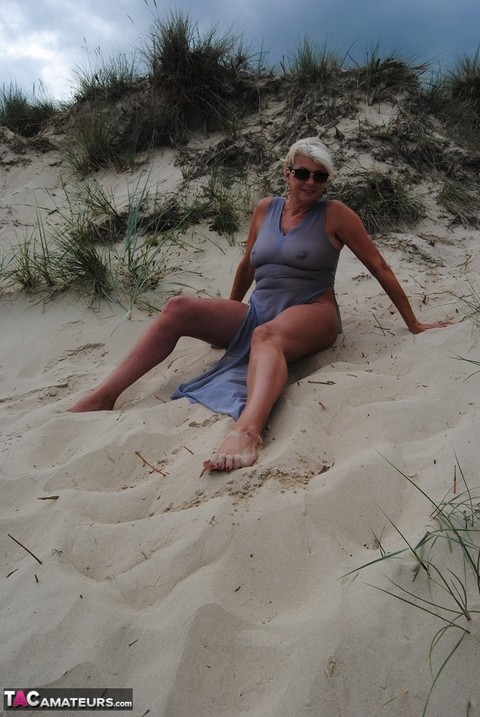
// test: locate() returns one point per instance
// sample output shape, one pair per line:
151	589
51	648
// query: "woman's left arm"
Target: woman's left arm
346	226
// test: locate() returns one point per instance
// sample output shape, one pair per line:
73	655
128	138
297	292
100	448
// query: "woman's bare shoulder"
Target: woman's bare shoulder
261	209
264	203
340	215
337	207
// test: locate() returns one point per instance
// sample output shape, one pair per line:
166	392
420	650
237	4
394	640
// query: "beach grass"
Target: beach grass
107	79
191	81
111	253
313	64
24	265
97	143
446	569
461	200
203	77
453	96
384	202
385	77
199	82
25	112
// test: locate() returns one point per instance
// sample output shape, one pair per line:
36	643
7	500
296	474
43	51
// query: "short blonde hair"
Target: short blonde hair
315	150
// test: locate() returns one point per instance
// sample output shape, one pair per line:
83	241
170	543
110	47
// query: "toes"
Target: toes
223	462
216	462
228	461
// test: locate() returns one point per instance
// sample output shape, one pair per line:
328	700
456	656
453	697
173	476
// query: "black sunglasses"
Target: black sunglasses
303	175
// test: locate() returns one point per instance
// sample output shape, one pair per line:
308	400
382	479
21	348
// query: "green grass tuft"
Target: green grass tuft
454	97
96	144
384	78
24	113
105	79
383	202
310	64
461	200
447	572
205	79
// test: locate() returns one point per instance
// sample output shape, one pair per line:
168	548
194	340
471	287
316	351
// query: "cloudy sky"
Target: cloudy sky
43	41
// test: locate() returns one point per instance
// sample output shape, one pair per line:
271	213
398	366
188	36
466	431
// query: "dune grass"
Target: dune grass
453	95
138	265
472	304
313	64
24	266
97	143
410	138
207	81
383	202
80	252
52	264
107	79
112	122
461	200
447	570
463	80
118	254
204	78
25	113
191	81
80	265
384	78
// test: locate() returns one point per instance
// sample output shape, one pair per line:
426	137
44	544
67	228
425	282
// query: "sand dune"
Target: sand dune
223	594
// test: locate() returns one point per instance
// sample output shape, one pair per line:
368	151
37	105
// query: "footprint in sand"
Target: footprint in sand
59	377
75	364
76	357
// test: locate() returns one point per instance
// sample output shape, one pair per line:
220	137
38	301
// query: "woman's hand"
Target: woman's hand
417	328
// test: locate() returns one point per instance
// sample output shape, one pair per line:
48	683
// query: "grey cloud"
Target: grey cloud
423	29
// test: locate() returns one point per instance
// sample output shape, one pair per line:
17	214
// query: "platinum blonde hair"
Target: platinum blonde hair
315	150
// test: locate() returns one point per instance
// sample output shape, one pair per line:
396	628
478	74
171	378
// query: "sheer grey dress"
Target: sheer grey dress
290	269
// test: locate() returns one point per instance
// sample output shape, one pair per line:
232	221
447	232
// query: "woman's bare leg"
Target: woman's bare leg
213	320
288	338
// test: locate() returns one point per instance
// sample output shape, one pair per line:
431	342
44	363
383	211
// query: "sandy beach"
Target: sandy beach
225	594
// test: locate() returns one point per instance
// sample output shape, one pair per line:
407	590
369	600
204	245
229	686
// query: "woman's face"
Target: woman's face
303	186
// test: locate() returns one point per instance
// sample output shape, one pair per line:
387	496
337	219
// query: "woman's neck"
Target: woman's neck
296	208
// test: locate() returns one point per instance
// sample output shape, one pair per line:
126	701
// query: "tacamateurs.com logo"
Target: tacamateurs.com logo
67	699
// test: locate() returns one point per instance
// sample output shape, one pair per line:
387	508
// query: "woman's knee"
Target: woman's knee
292	345
265	333
178	316
179	307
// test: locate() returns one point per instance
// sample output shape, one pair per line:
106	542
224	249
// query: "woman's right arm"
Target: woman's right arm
245	272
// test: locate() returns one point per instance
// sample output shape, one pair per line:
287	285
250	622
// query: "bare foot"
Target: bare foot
92	402
238	450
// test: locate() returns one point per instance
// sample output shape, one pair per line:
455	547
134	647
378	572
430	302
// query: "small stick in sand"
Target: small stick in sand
157	470
22	546
379	325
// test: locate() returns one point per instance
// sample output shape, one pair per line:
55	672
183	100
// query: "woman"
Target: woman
292	252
